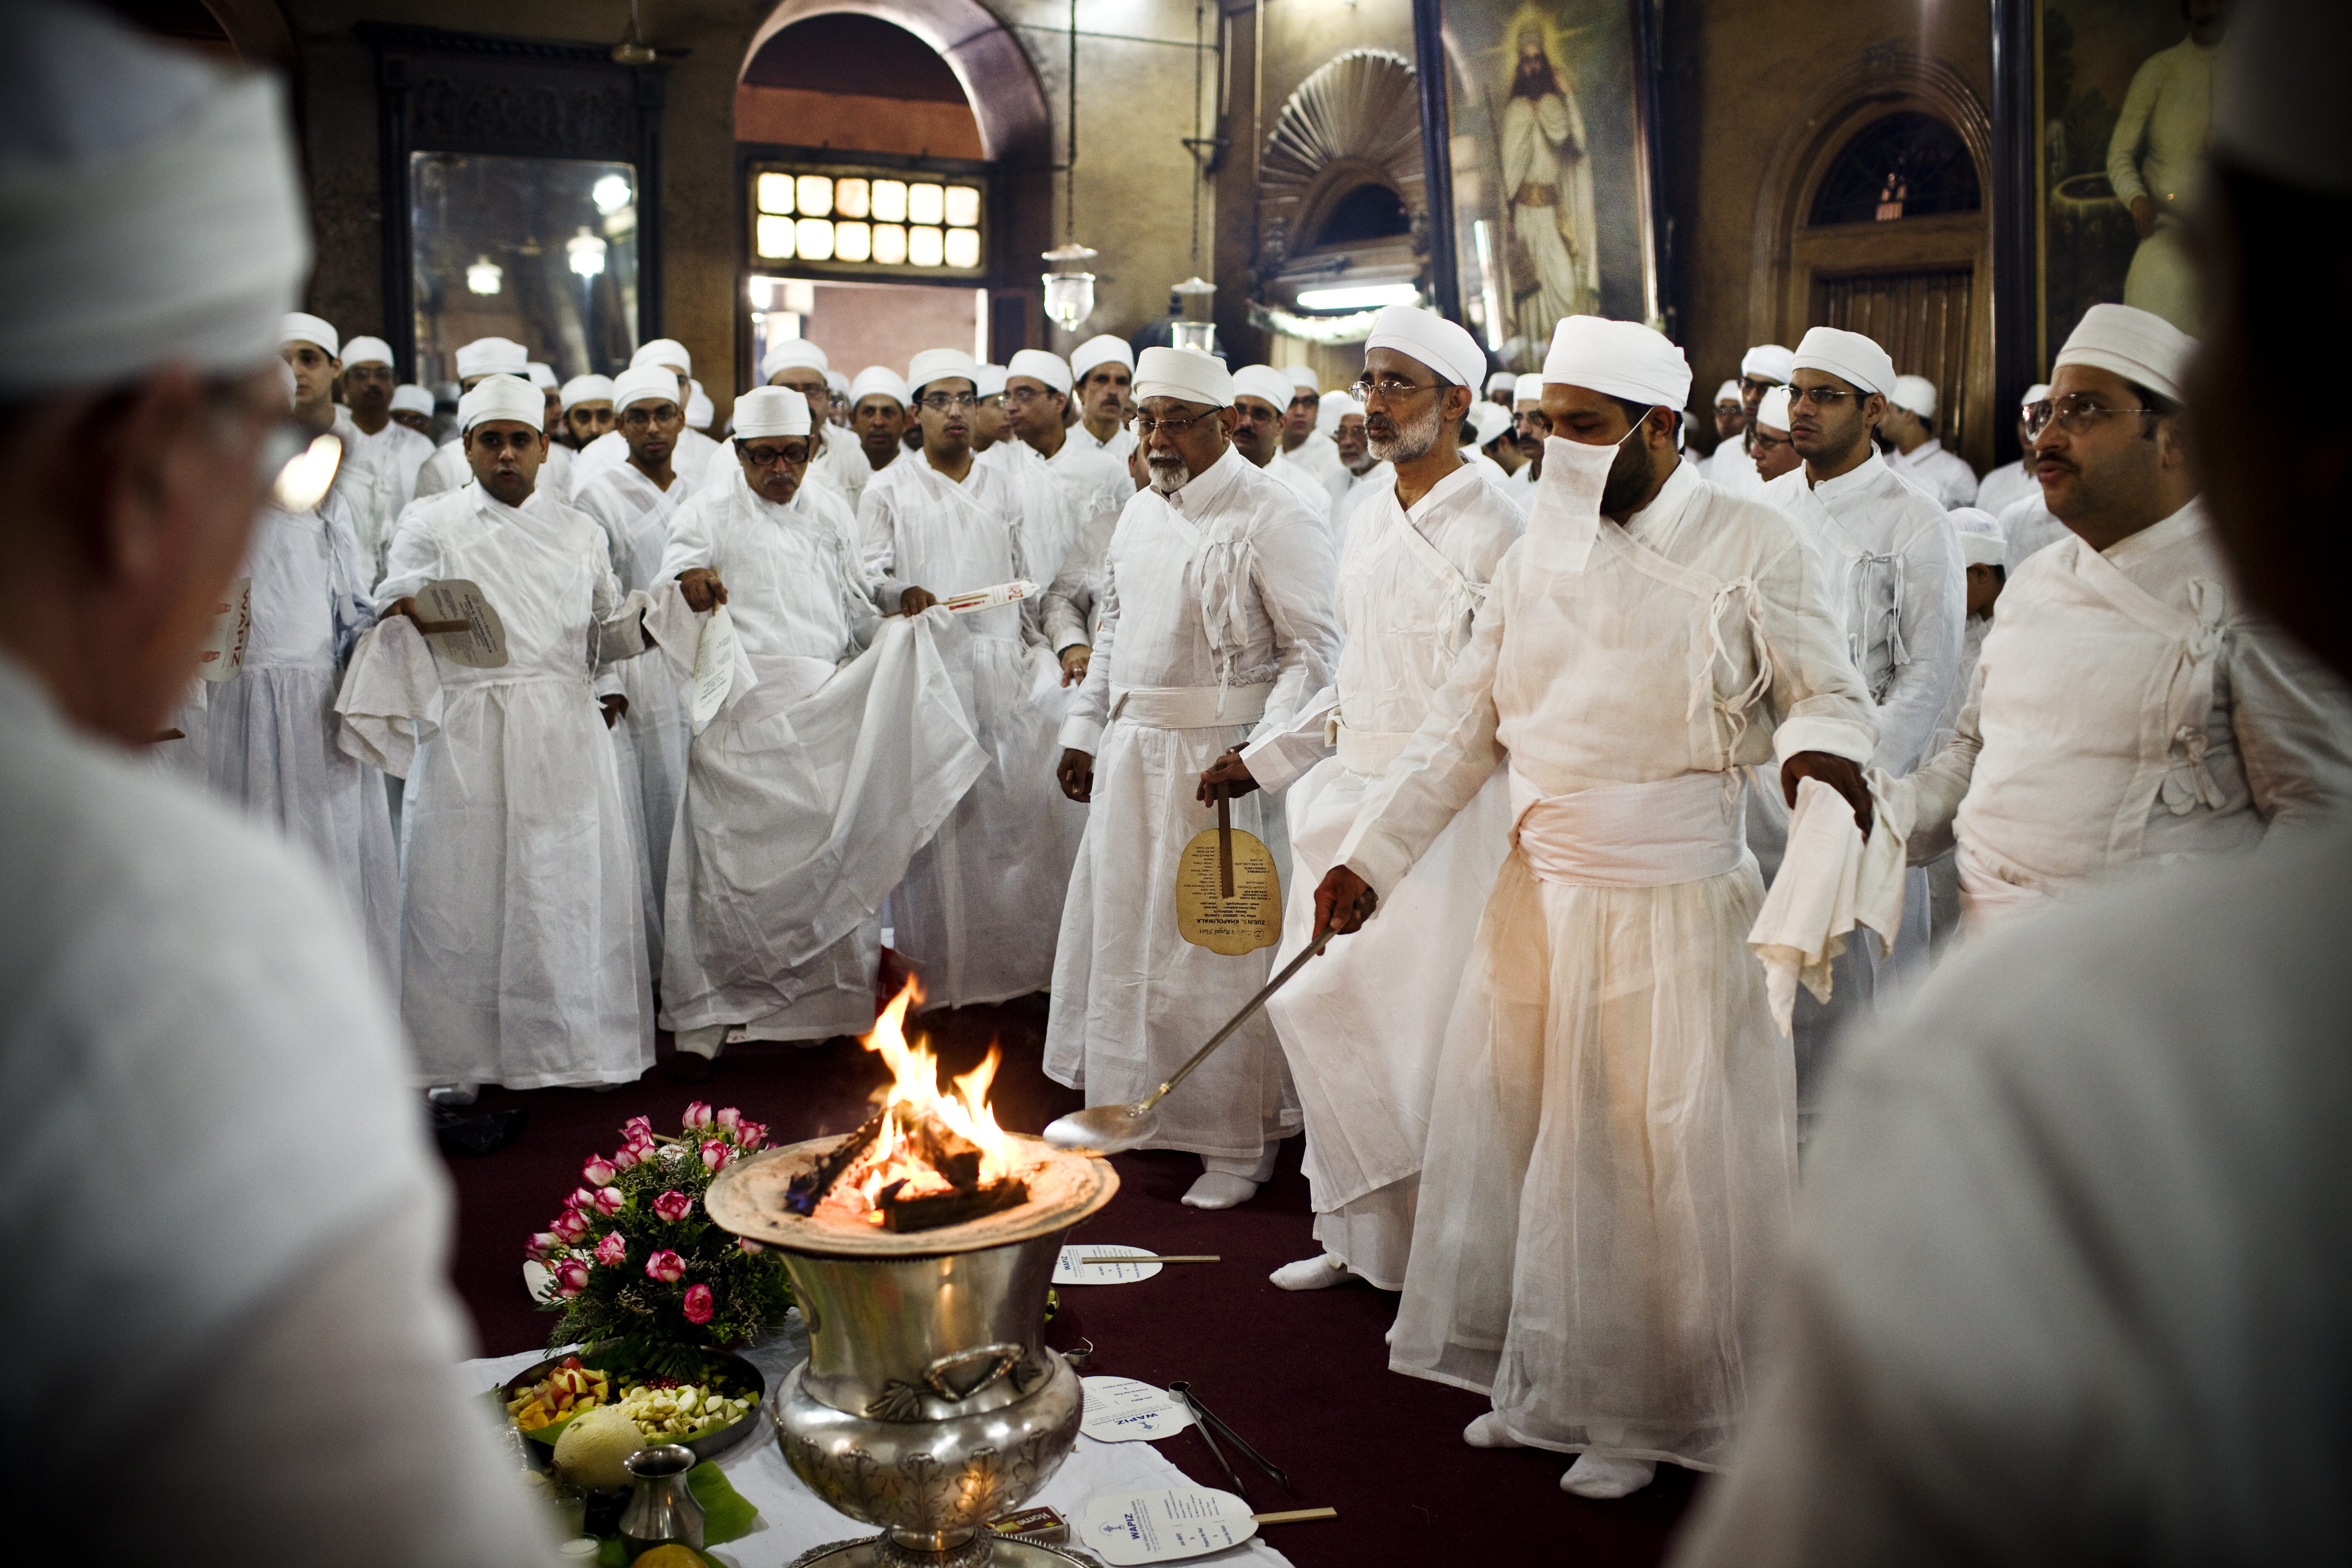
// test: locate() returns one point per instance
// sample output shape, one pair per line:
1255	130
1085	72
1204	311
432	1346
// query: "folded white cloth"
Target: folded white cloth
1830	882
391	697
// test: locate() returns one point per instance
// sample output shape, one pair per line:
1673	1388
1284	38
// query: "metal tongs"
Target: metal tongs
1210	1426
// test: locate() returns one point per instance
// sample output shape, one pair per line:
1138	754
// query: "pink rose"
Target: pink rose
640	1150
748	1245
698	1116
600	1171
673	1205
612	1249
570	1278
730	1119
637	1127
624	1157
698	1304
540	1245
751	1135
581	1198
569	1227
666	1267
610	1202
716	1153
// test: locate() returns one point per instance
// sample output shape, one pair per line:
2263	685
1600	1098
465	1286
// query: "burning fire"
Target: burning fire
901	1150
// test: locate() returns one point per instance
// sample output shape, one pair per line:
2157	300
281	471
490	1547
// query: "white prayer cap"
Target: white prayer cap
1502	381
877	380
1527	388
1916	392
794	353
2034	394
2279	109
2137	344
411	398
543	376
988	380
1488	421
367	350
1852	357
1620	359
587	389
1266	383
297	328
1331	408
1432	339
667	351
770	411
1982	543
492	356
1041	365
646	382
1769	361
1303	379
1186	375
837	383
940	364
699	410
1727	393
1772	409
502	397
1102	350
148	207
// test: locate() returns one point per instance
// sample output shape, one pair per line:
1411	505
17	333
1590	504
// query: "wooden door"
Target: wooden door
1923	321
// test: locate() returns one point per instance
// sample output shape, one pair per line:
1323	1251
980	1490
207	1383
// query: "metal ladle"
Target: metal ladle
1113	1129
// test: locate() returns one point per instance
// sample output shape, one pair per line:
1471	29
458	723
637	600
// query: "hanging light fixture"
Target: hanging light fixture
611	193
1193	329
1069	287
484	275
586	252
633	50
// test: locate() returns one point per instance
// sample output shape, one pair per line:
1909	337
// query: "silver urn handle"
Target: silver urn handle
1001	1358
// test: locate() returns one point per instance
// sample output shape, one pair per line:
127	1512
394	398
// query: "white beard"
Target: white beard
1411	442
1166	481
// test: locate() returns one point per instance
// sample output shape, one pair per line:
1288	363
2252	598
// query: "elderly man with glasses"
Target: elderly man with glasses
1216	628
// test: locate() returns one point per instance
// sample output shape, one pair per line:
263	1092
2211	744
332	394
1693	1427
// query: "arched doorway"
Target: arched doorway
889	153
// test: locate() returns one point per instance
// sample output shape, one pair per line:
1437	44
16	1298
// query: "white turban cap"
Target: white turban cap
367	350
2034	394
837	383
1265	382
1527	388
699	410
1772	409
988	380
1304	378
2279	109
1330	408
1853	358
940	364
794	353
2137	344
587	389
502	397
646	383
1039	364
148	207
1488	420
1502	381
1916	392
1103	349
1981	542
1186	375
412	398
667	351
297	328
1727	393
770	411
492	356
543	376
1769	361
1620	359
877	380
1432	339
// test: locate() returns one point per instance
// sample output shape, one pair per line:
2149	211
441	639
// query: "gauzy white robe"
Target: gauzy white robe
1345	490
2027	528
1943	474
2005	487
1216	626
1612	1151
1361	1026
371	485
403	451
977	912
2126	714
1071	606
1319	455
523	956
1054	501
1942	870
1080	446
2070	1280
1306	486
695	457
636	516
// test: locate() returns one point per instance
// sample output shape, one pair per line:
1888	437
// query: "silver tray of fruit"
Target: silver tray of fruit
709	1411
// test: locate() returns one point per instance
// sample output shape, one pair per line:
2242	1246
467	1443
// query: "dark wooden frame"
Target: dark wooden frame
1429	74
2015	187
441	91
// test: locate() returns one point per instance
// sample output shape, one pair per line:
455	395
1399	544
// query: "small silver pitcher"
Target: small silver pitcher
661	1509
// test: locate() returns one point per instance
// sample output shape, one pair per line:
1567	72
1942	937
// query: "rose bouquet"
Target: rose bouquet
634	1257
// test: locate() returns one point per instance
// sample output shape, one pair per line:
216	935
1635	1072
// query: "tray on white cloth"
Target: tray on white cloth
792	1519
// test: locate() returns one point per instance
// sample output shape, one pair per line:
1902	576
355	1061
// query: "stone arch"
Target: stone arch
999	82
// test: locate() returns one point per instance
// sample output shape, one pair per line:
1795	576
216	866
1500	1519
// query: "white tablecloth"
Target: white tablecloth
792	1519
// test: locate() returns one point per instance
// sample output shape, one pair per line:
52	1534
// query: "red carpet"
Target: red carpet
1302	1375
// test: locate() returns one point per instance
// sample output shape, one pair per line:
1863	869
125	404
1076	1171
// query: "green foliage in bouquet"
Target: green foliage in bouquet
634	1256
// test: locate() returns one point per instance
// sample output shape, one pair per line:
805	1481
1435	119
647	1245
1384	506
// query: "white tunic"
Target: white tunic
1080	445
1317	453
1362	1028
978	910
523	960
2026	529
447	470
848	472
1071	606
1216	627
1611	1156
2070	1278
695	457
373	486
1055	499
2005	487
1345	490
1943	474
2126	713
1296	478
405	451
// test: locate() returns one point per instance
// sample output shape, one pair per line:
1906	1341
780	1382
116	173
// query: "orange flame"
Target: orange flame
914	1086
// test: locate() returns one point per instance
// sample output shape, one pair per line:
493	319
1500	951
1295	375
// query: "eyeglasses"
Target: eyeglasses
1388	388
950	402
637	415
1146	426
1757	385
1758	439
1820	396
2075	414
769	456
1022	397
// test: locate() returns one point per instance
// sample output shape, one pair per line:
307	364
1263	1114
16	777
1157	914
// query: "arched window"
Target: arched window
1908	165
1367	213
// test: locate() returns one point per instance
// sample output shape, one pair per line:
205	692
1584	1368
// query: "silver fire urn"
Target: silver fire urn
928	1406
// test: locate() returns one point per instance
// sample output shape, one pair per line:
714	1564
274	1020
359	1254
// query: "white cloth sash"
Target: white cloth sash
1190	707
1989	900
1368	752
1682	829
2187	670
782	680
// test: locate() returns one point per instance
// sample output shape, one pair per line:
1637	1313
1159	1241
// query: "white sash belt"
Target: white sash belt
1189	707
783	679
1682	829
1989	900
1368	752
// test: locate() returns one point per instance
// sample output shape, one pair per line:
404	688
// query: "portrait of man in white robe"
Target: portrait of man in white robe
1548	188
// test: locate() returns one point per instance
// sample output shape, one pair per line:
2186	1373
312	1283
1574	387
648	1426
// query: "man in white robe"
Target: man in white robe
1363	1026
1055	498
224	1209
555	474
1304	441
1919	454
1730	434
2014	482
802	366
1105	368
2156	160
412	409
2127	710
1981	547
1359	471
1488	428
1070	609
877	418
1770	452
1530	429
2070	1283
447	468
1258	392
696	452
1216	628
977	911
369	483
368	383
588	410
523	956
1611	1149
1761	368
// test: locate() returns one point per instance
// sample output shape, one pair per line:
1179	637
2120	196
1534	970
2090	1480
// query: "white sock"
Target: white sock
1220	1190
704	1042
1309	1274
1488	1432
1606	1476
